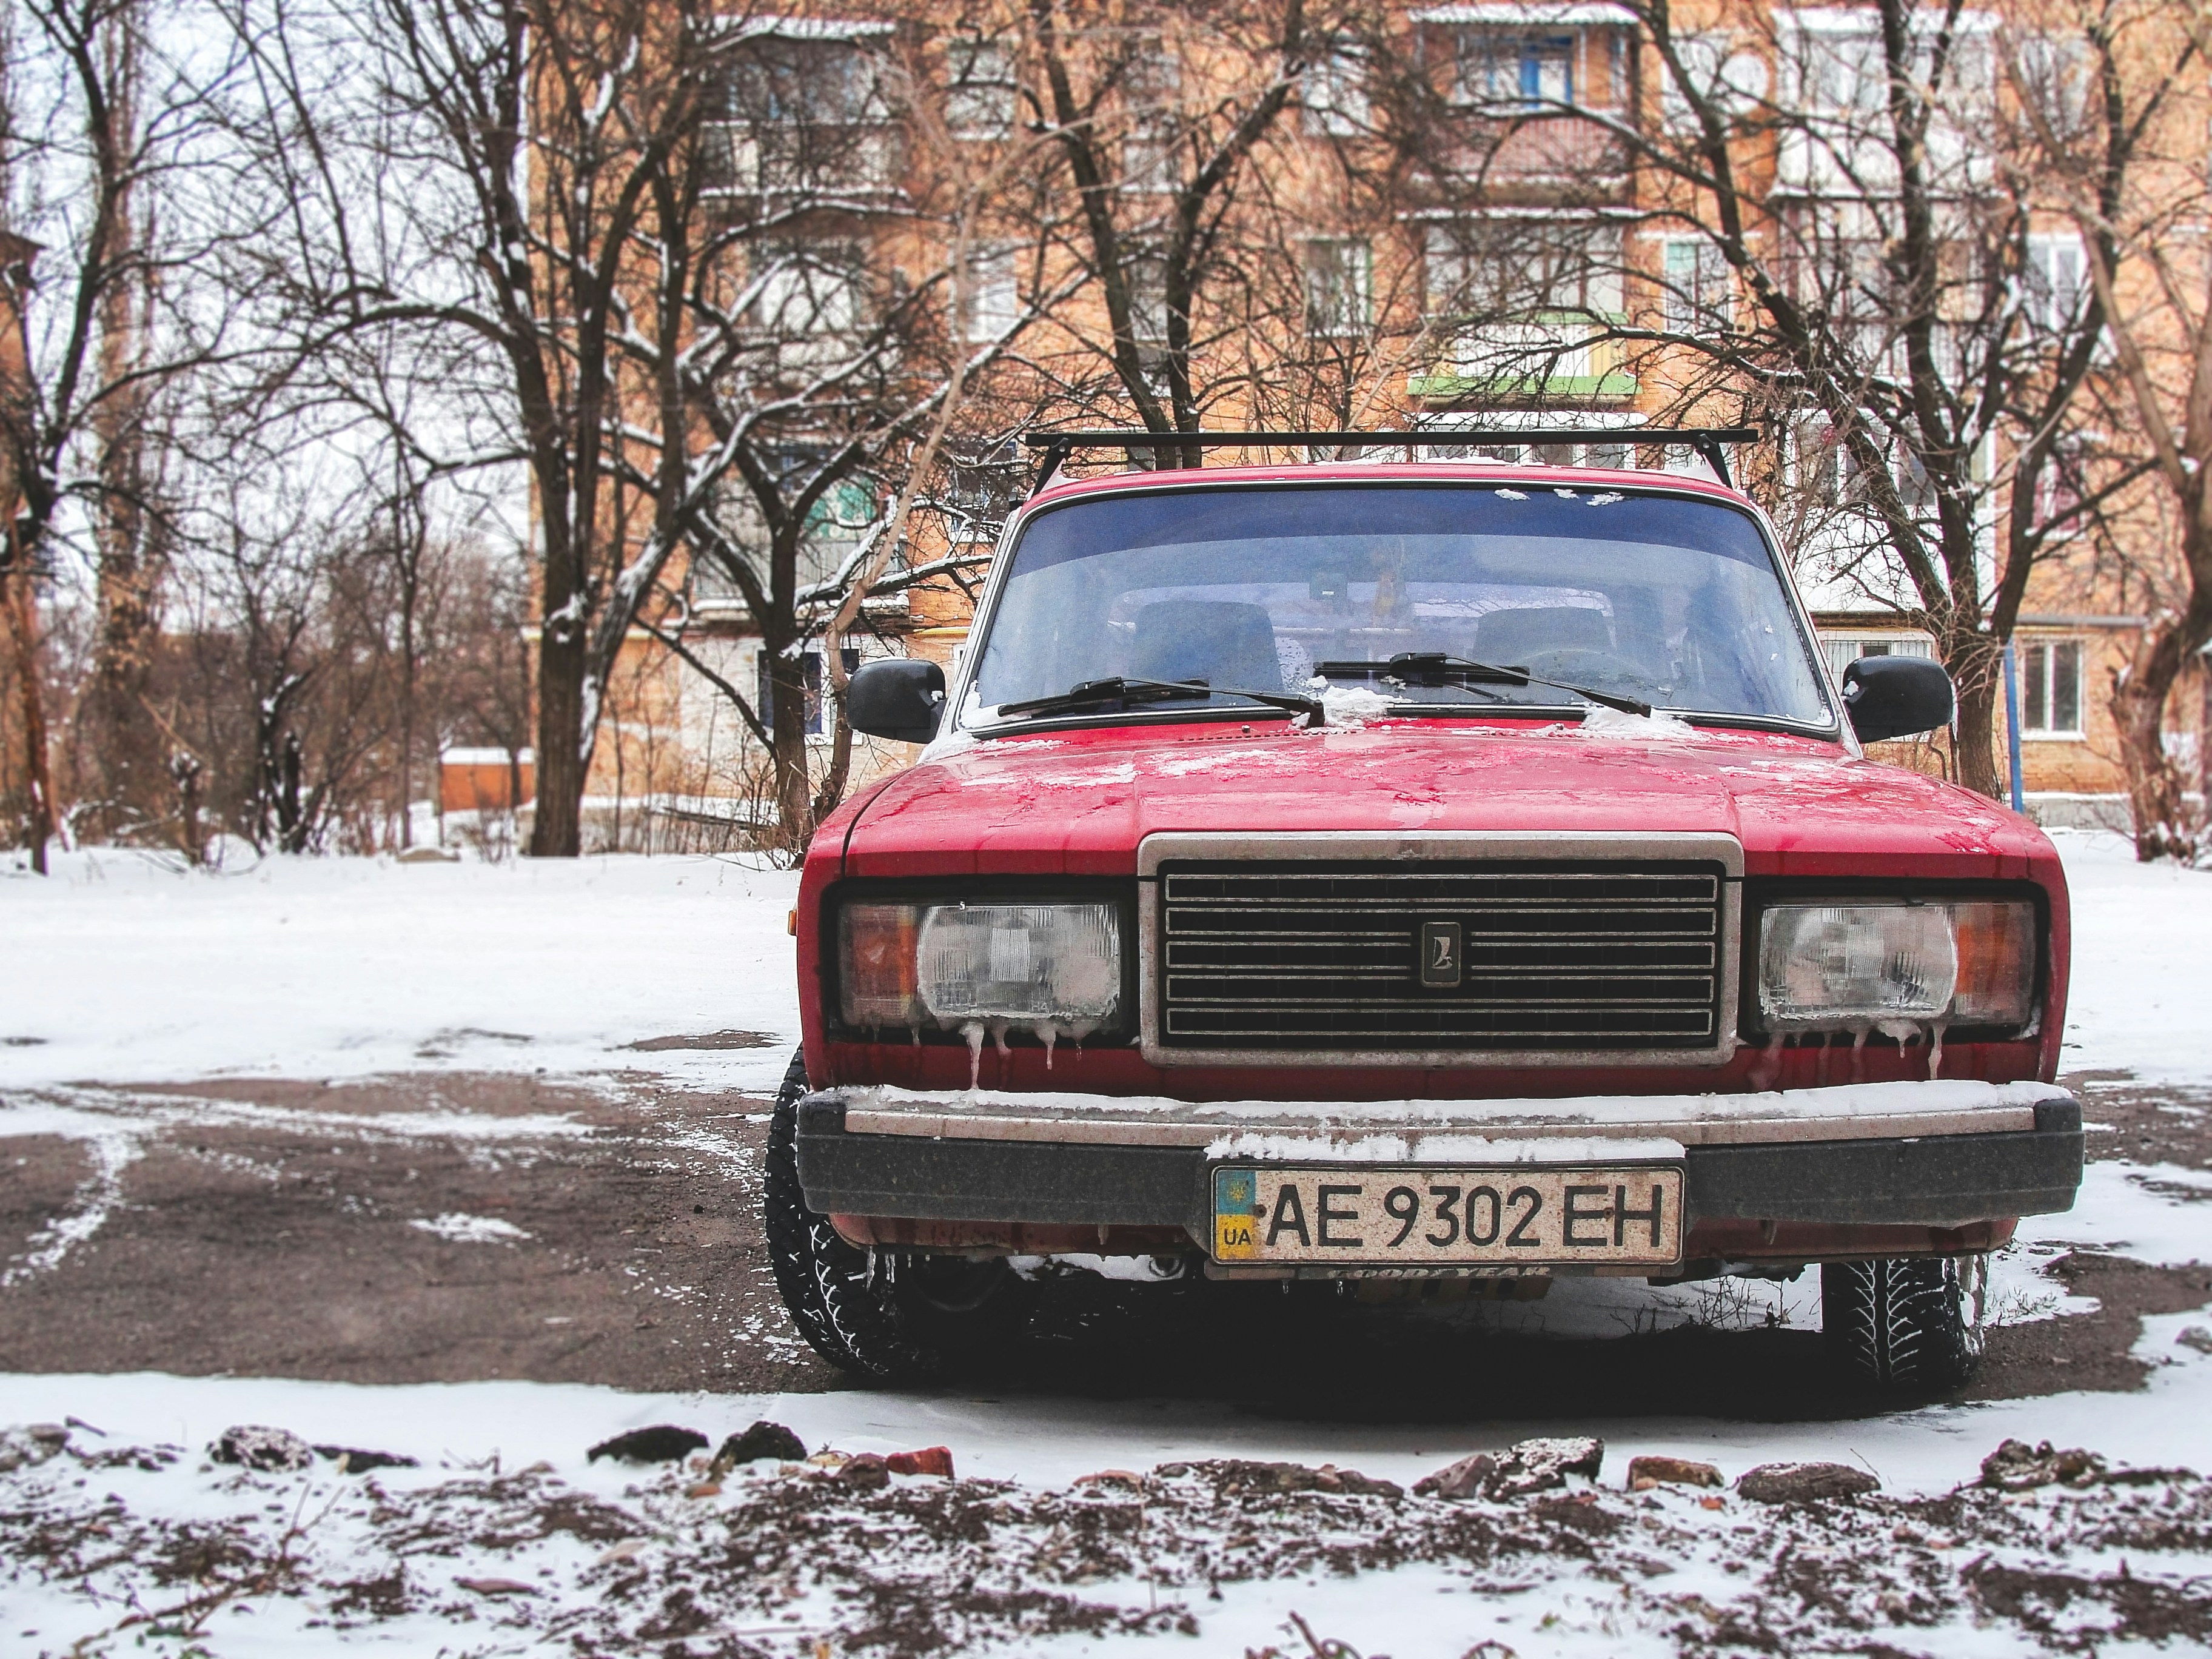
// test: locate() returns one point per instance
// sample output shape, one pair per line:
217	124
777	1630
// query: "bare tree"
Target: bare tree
2152	277
1864	269
106	166
1161	148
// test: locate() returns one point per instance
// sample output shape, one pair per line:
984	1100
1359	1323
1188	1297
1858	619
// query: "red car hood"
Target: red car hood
1078	803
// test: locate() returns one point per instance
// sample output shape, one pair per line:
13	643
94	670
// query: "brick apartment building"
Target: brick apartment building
1487	281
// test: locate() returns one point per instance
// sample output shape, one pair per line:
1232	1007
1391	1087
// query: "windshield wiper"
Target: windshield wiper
1127	690
1434	667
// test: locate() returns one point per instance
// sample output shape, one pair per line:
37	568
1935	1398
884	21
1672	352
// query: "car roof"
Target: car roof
1327	472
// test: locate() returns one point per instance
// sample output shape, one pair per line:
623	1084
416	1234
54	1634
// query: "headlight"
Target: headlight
1830	967
900	964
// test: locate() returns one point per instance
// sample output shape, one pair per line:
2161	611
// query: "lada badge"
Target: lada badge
1442	964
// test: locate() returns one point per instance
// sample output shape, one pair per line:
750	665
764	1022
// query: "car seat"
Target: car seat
1220	643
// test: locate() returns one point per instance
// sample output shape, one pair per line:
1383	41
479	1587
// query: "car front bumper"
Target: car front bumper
1880	1168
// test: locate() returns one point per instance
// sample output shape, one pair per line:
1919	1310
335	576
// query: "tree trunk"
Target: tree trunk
557	829
186	769
130	777
292	823
407	714
2163	827
794	803
1975	661
23	619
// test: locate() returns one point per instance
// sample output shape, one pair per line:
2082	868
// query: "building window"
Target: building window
980	89
1843	652
811	668
2063	487
1832	473
1517	267
1516	72
2058	282
1339	288
1147	276
1152	94
994	301
2050	688
1697	293
1736	82
1334	93
805	292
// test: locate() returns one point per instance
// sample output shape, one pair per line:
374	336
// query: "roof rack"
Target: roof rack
1705	440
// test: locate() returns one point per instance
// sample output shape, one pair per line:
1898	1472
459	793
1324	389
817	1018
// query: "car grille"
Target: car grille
1556	958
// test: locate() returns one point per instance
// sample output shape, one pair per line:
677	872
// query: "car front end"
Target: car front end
1418	874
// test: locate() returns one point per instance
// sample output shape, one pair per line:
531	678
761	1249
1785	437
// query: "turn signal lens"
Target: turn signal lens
1023	962
876	951
1996	963
1832	967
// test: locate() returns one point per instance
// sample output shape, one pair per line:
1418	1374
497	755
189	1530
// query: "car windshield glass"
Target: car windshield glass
1664	599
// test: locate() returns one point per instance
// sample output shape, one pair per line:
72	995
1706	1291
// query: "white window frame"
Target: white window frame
2055	294
1736	80
981	89
2037	657
1339	287
1702	296
1333	92
1843	648
994	296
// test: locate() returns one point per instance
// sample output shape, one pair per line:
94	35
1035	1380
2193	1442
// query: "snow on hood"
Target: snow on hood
1080	802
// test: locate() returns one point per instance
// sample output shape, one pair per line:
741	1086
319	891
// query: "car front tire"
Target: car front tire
1907	1324
889	1316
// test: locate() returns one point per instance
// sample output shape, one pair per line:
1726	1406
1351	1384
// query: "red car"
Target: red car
1421	871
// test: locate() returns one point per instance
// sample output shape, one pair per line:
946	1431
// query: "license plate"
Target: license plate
1518	1218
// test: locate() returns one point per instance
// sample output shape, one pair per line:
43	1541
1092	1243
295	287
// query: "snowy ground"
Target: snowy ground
120	972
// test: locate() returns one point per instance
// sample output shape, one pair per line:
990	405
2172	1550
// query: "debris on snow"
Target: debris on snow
763	1440
1237	1476
21	1448
1531	1466
351	1460
1804	1483
868	1472
1645	1472
2015	1466
1128	1479
662	1443
930	1460
269	1450
916	1570
497	1586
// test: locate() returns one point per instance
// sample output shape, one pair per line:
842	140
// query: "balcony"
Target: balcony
1562	359
793	161
1538	158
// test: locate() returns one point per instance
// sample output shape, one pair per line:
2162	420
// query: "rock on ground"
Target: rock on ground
1804	1483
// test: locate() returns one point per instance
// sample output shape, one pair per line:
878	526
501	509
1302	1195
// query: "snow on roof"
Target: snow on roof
1506	11
812	28
484	756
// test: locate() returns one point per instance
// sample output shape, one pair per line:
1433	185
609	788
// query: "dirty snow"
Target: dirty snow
124	971
1599	722
457	1229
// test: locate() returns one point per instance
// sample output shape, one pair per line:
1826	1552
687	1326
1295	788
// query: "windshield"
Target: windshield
1668	600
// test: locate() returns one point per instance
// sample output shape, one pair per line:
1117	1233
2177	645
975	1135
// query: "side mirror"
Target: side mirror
901	698
1897	696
